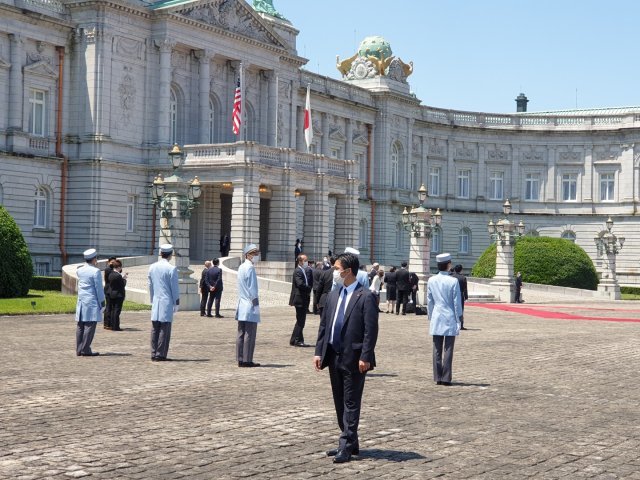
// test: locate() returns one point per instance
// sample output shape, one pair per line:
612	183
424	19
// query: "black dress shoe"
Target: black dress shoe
92	354
300	344
463	328
250	364
438	383
334	452
446	384
154	359
202	314
219	316
210	316
342	457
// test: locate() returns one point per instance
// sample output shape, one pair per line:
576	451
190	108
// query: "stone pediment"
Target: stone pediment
360	139
231	15
40	68
4	64
337	135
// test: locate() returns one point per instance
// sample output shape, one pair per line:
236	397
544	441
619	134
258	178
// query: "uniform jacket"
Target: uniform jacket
402	280
163	289
363	278
444	305
90	294
117	285
301	284
248	309
213	278
359	331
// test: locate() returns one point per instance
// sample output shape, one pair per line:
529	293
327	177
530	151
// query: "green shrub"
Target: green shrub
544	260
16	269
630	290
46	283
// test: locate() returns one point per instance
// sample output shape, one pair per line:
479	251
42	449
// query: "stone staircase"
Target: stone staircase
482	298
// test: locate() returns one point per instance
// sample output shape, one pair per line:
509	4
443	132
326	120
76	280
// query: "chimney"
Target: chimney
521	102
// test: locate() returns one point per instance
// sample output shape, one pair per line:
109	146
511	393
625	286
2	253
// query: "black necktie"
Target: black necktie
337	328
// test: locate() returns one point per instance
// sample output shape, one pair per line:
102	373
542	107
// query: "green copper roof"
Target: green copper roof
169	3
375	46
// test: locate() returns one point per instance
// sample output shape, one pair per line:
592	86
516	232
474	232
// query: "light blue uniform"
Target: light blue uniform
90	294
444	305
163	289
247	310
362	277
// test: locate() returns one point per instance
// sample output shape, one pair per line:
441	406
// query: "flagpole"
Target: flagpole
242	112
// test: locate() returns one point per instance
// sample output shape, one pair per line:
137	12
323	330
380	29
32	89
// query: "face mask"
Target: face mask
338	278
305	264
255	259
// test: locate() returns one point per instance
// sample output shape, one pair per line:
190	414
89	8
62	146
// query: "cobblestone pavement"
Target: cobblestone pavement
532	398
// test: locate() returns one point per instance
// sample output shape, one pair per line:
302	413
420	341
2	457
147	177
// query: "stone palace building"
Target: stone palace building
94	93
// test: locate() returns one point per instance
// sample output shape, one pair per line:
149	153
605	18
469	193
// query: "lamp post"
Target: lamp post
608	245
505	234
176	198
420	223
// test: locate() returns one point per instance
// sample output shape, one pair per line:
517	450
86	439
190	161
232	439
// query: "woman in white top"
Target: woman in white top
376	285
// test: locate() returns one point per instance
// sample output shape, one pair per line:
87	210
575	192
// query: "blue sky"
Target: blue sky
479	54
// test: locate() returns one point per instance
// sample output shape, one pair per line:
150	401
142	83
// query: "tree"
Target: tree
544	260
16	269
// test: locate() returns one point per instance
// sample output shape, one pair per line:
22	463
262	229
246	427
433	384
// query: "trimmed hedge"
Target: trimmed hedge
47	283
544	260
16	269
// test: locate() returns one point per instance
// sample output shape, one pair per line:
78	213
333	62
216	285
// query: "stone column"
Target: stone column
419	256
174	229
282	221
272	102
245	215
451	176
608	285
325	135
299	130
164	92
590	179
204	56
16	83
348	148
503	280
552	181
103	87
346	222
316	221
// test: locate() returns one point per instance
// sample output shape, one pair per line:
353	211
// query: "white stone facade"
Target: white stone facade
94	93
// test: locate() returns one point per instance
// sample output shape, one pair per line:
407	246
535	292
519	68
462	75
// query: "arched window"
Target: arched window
212	122
173	117
464	241
569	235
364	233
395	159
40	208
436	240
399	236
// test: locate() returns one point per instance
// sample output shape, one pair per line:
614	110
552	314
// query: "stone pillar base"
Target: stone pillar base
610	290
504	291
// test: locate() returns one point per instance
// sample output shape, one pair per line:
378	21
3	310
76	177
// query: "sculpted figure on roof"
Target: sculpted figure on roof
266	6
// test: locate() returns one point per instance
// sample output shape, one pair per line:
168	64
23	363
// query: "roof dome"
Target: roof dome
375	46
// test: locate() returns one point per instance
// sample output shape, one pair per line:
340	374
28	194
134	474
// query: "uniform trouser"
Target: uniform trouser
214	296
246	341
347	387
403	298
84	336
107	311
442	360
204	296
301	318
160	337
116	308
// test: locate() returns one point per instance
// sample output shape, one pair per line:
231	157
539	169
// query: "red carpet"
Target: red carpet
542	311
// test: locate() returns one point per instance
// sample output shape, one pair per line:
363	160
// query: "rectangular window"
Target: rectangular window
496	183
335	152
435	241
37	112
463	242
532	186
42	269
569	187
40	210
607	187
464	177
131	213
434	181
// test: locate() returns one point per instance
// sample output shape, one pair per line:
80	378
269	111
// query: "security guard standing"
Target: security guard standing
91	303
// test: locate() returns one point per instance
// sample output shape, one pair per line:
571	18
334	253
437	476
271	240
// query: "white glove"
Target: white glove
103	309
175	308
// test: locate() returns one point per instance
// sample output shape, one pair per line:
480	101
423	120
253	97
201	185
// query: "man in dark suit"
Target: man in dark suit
213	282
403	286
107	293
225	244
204	291
301	285
316	273
325	284
464	293
346	341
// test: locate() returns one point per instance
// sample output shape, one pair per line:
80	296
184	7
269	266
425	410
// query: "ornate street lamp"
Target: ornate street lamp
504	231
609	246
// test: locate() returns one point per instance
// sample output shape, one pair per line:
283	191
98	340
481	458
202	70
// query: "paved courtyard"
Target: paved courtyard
533	397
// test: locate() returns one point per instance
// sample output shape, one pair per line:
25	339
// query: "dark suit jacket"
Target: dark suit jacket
301	289
107	272
316	274
117	285
359	331
324	286
214	279
462	281
402	280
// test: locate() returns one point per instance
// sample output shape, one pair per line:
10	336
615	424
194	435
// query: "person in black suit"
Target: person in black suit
204	291
107	312
117	284
316	273
464	293
346	342
301	285
225	244
392	292
213	282
403	285
325	284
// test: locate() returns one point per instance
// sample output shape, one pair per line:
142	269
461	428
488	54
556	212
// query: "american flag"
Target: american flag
237	109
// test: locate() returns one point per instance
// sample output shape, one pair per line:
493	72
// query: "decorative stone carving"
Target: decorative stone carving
165	45
533	156
39	55
40	68
573	156
179	60
284	90
374	58
127	92
335	133
497	155
129	48
416	144
266	6
360	138
399	71
4	64
437	148
464	153
361	68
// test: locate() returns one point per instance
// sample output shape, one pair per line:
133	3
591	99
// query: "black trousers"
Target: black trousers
107	311
316	299
116	308
301	318
403	298
443	359
347	388
517	299
204	296
214	296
